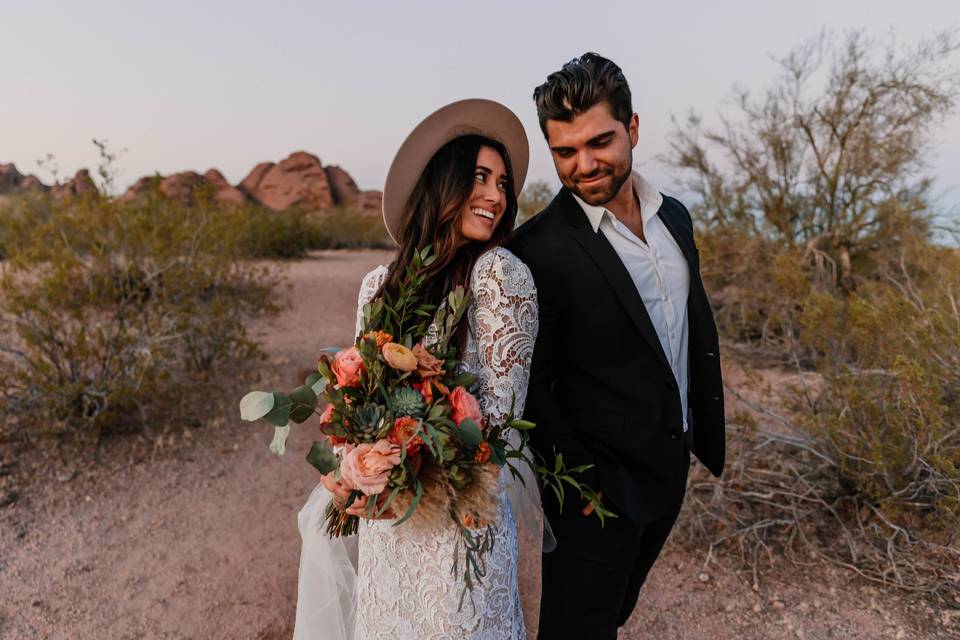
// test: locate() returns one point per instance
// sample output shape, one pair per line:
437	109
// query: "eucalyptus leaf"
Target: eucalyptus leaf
322	457
304	402
279	444
279	415
256	405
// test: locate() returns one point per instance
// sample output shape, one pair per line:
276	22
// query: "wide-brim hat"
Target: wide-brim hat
465	117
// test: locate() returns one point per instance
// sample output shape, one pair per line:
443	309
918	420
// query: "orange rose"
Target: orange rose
465	406
347	365
399	357
382	337
428	366
483	453
425	390
405	430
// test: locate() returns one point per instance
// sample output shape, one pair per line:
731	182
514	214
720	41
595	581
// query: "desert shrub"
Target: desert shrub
110	310
817	250
535	197
345	228
860	463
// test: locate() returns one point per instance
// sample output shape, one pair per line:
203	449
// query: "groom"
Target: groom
626	368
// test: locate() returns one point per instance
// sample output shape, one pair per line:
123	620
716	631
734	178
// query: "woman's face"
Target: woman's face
484	209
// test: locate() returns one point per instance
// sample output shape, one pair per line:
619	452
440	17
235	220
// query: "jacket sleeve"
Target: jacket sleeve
554	433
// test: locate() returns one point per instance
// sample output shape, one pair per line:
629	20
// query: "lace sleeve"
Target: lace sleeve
503	322
370	285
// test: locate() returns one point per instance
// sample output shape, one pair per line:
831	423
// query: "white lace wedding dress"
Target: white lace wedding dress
404	584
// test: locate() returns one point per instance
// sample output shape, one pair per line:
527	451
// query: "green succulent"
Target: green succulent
407	402
369	423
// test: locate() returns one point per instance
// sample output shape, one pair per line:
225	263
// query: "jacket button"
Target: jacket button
674	434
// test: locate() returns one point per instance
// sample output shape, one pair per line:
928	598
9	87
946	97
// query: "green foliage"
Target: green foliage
890	402
814	231
110	309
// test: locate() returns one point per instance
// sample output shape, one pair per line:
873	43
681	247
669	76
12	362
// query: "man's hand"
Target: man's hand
587	510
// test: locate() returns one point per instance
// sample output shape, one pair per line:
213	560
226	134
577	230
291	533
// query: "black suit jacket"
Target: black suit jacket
601	389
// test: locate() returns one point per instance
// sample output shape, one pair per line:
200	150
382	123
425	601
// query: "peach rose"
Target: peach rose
405	430
464	406
347	365
399	357
367	467
427	365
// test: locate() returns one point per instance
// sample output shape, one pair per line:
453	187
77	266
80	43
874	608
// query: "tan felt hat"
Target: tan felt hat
464	117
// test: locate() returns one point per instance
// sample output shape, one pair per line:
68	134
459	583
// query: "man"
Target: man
626	368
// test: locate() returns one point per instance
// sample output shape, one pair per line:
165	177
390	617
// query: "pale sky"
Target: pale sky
193	85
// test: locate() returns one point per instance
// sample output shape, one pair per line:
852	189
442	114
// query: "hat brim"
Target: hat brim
464	117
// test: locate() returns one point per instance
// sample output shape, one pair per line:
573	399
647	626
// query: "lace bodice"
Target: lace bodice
405	585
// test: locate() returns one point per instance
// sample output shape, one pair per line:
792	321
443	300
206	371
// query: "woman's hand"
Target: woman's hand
359	508
337	487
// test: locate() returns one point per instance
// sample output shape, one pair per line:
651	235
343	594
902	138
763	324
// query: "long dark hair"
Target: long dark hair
432	217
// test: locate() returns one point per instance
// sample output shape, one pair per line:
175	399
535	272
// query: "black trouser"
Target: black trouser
591	581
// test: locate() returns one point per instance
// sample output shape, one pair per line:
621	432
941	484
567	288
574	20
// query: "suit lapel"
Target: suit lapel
682	239
603	254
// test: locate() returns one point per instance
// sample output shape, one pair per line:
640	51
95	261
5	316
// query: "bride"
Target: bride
452	185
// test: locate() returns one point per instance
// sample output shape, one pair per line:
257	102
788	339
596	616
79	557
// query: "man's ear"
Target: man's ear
634	130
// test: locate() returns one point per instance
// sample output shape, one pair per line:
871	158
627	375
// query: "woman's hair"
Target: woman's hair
432	217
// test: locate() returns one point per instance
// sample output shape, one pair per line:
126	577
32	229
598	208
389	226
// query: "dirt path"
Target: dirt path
194	536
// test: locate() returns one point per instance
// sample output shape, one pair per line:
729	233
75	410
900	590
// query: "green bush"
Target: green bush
858	462
111	311
343	228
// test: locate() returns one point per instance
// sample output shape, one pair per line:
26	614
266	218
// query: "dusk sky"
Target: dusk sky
193	85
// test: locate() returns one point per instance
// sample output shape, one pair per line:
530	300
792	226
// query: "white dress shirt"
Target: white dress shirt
659	271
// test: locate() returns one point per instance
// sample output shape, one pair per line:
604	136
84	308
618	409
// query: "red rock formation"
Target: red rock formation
10	178
80	184
371	200
224	190
12	181
183	186
299	180
32	182
342	187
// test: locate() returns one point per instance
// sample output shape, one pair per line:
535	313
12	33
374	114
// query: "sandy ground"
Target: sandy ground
193	534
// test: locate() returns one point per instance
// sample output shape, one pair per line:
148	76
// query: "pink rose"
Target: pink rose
465	406
347	365
367	467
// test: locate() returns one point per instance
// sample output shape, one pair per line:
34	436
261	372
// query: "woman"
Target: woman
453	186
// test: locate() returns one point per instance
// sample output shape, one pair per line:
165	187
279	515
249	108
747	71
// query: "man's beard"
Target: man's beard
598	198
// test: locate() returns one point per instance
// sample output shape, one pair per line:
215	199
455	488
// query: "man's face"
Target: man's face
593	153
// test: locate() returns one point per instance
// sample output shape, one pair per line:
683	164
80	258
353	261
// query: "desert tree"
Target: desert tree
829	158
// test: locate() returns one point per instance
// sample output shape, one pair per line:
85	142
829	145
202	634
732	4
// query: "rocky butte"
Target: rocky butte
299	180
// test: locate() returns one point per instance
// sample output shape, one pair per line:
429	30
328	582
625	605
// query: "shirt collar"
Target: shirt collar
650	201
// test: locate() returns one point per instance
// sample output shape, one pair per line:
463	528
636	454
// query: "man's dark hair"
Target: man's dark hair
580	84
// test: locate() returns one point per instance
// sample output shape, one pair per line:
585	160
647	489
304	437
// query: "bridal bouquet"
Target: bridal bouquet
403	430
